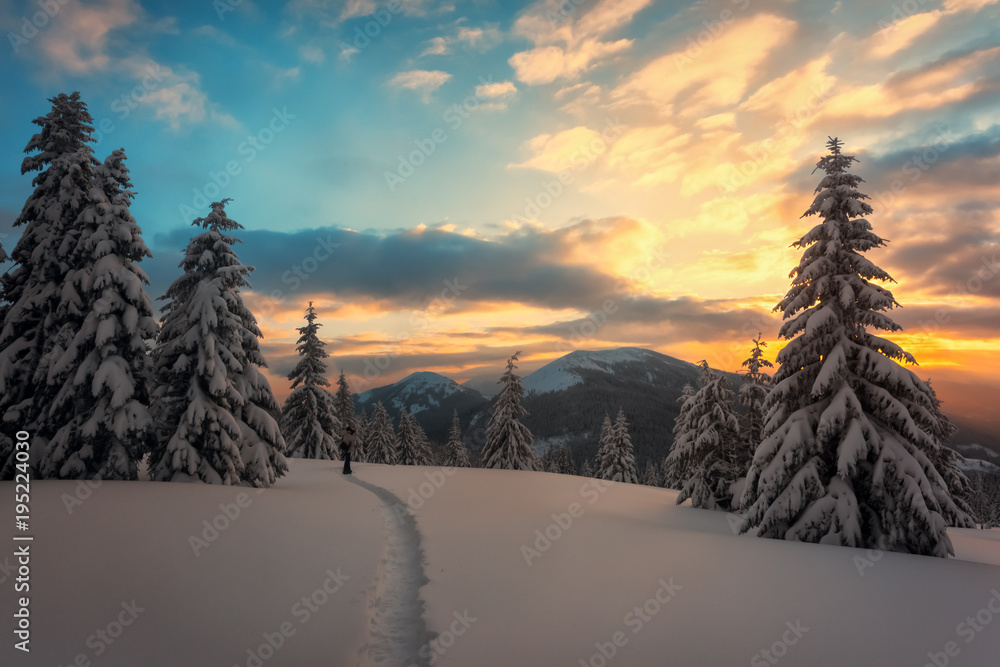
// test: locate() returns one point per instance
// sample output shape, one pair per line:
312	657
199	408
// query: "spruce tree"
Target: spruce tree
605	441
213	408
309	419
617	456
456	453
360	438
842	459
100	380
380	442
651	474
702	457
752	395
30	291
564	462
412	448
586	470
345	403
673	469
509	444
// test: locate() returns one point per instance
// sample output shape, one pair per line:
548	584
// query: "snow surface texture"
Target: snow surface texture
129	540
396	628
562	373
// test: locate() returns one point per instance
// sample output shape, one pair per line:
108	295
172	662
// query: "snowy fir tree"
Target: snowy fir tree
425	453
213	408
946	460
345	403
672	471
456	453
605	442
360	438
309	419
842	459
412	448
617	456
100	376
380	441
704	450
564	462
587	469
509	444
30	291
651	474
752	395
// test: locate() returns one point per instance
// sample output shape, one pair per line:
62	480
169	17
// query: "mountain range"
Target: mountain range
567	399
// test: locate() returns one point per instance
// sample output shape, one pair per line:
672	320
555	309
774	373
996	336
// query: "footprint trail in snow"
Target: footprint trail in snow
396	627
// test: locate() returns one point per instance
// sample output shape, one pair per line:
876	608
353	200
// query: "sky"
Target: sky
450	182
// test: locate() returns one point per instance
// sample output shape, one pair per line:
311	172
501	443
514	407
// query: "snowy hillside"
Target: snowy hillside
565	371
429	397
498	568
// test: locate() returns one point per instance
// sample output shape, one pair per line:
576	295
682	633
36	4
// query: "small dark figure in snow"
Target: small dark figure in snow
346	447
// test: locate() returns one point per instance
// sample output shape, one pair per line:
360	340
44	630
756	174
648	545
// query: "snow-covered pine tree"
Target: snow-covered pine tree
509	443
456	453
425	454
213	408
651	474
412	448
752	395
380	441
672	469
345	402
30	290
564	462
360	438
309	418
702	456
946	460
101	404
617	456
842	460
587	469
605	441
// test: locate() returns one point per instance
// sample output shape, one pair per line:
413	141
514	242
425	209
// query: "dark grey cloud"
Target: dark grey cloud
413	270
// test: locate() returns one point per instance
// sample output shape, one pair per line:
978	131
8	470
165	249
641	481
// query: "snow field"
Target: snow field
522	568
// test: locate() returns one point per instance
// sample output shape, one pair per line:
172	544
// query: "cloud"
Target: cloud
567	46
901	34
716	77
423	81
563	150
479	39
77	40
174	95
438	46
312	54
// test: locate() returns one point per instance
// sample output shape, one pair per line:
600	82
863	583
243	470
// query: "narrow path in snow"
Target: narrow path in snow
396	627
